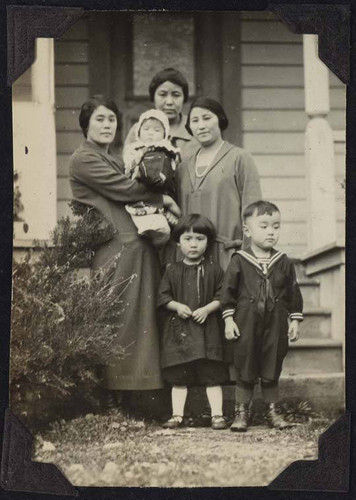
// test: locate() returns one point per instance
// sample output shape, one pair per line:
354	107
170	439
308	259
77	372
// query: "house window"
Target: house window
162	40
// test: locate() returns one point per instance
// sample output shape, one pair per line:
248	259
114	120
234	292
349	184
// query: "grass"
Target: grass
111	450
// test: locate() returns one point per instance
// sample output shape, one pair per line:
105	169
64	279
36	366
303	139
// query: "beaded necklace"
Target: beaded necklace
207	167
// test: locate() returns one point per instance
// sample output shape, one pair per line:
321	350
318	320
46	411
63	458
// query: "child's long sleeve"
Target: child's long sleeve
165	290
219	279
295	299
229	289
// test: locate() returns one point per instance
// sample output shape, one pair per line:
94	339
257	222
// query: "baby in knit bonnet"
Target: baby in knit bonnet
152	159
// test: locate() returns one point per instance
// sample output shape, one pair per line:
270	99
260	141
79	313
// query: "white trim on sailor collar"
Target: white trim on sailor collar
252	259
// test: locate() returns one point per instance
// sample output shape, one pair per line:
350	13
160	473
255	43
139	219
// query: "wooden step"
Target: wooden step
323	391
310	292
300	272
316	324
308	286
313	356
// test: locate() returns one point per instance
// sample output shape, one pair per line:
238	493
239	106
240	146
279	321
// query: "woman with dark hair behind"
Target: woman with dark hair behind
168	91
98	179
219	180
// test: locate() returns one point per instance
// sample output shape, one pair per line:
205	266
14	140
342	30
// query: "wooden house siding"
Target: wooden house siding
274	121
273	117
71	88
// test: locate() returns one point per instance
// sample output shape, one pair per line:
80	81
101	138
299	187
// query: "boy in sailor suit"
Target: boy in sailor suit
262	307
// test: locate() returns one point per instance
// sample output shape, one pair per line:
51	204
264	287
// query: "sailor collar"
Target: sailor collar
250	257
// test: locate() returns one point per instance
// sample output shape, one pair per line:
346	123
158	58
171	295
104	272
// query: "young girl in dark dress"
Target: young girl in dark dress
192	339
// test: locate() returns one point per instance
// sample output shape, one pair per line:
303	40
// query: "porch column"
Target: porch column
42	77
34	142
319	149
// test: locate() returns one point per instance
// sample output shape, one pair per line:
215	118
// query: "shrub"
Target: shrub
298	411
63	325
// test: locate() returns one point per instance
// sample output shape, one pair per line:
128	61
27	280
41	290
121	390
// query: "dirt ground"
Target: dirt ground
109	450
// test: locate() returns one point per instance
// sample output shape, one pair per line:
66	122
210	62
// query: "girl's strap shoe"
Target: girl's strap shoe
173	423
218	422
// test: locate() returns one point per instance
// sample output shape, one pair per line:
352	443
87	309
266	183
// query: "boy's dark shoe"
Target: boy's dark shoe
275	419
240	423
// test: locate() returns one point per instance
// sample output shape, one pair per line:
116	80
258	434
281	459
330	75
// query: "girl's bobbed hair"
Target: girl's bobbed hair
88	108
168	75
196	223
213	106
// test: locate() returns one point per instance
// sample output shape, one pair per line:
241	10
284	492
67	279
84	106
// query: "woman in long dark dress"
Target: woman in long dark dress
97	178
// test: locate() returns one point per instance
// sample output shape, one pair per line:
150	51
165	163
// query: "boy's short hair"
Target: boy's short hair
261	207
198	224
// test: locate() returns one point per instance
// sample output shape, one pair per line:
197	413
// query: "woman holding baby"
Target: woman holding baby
98	179
214	178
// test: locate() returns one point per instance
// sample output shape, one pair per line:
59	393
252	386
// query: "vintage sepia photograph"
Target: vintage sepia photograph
178	307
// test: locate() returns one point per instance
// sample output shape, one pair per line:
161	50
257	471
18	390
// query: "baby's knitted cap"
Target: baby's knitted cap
157	115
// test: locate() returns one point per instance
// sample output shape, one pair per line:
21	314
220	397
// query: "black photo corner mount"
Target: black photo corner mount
19	472
25	24
330	22
331	471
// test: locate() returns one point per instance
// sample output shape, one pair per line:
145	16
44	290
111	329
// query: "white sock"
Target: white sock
215	398
179	396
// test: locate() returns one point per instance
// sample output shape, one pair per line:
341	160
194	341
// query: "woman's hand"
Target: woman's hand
172	219
171	205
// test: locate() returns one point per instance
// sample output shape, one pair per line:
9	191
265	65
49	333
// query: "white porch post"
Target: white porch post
43	72
319	149
34	140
